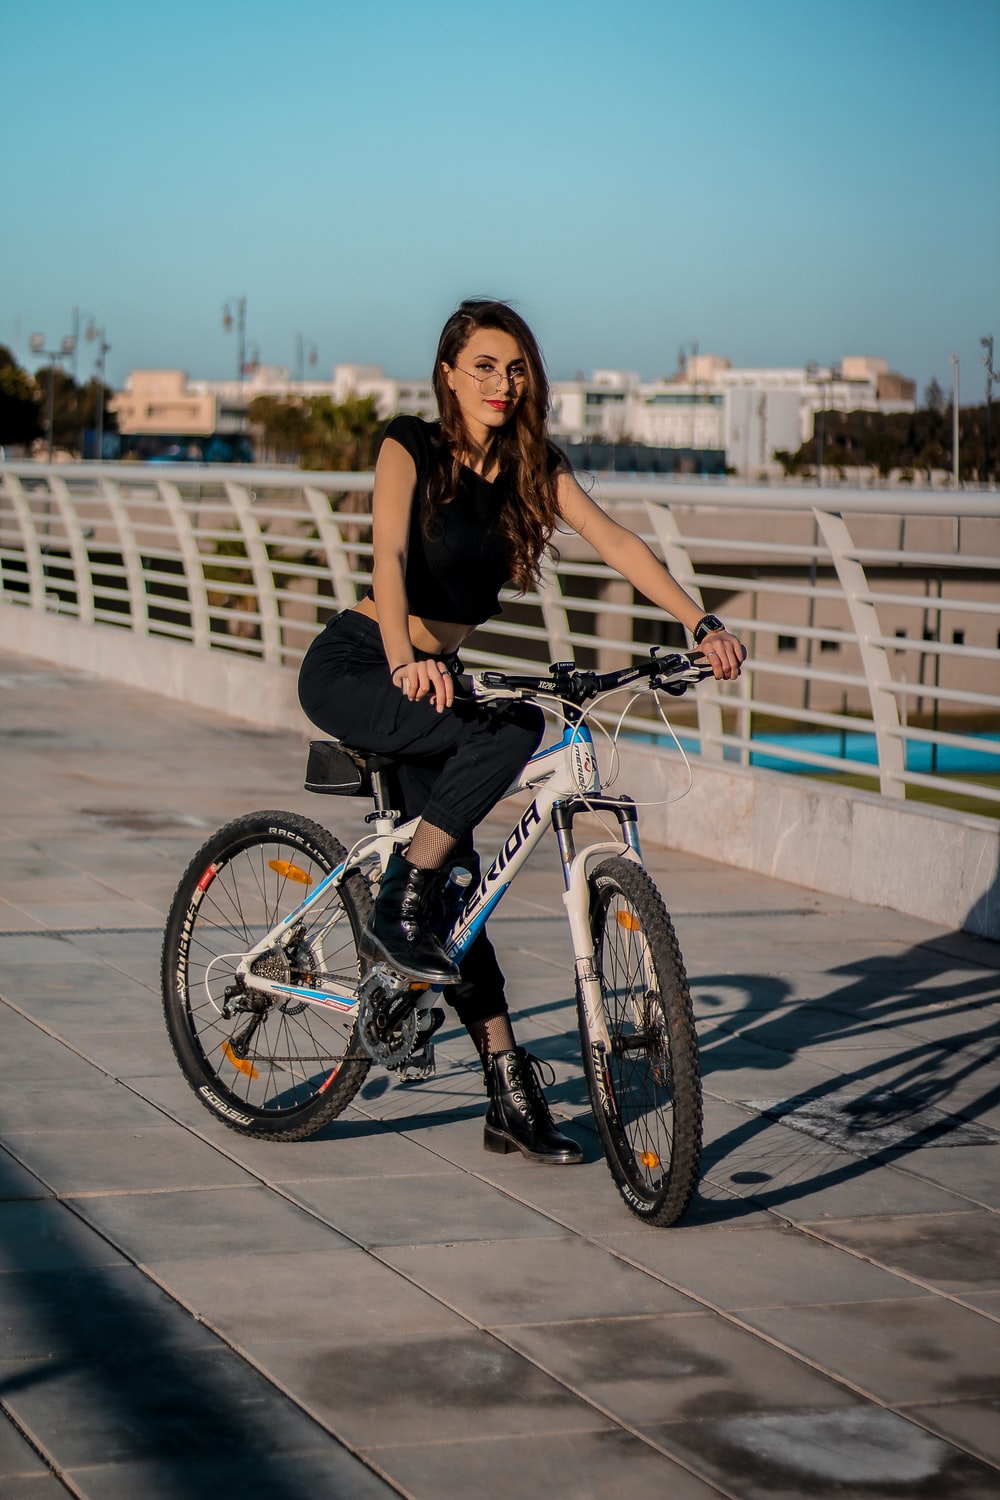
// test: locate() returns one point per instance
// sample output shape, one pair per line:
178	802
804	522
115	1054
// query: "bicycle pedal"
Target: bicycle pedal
389	980
419	1065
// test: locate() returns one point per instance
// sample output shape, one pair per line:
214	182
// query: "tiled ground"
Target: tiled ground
386	1309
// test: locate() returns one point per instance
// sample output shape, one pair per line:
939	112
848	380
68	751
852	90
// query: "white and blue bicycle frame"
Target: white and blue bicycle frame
564	781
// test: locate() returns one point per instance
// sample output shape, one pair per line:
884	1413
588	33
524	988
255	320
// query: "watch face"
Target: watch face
705	626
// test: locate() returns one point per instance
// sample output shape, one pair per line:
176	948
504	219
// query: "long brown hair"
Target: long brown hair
527	463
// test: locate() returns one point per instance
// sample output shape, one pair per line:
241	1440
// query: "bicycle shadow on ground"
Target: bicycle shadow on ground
927	1080
445	1099
878	1109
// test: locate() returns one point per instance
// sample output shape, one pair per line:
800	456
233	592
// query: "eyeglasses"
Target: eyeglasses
489	379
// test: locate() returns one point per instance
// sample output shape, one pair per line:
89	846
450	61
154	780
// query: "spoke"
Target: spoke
644	1105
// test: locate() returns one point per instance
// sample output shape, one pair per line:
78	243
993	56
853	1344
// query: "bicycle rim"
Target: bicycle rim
285	1067
645	1088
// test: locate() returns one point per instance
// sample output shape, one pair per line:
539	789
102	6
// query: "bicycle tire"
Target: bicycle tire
287	1075
645	1092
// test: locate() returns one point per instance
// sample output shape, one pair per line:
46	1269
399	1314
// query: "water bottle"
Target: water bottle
455	888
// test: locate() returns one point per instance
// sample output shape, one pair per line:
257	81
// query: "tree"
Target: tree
930	457
283	427
882	451
906	441
934	397
74	407
838	456
791	463
343	436
317	433
20	404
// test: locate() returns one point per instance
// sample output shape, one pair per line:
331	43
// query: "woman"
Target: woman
460	507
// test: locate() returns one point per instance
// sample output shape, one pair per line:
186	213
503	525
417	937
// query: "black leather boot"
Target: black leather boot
399	932
517	1116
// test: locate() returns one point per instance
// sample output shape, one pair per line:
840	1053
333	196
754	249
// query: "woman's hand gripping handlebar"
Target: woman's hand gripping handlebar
668	671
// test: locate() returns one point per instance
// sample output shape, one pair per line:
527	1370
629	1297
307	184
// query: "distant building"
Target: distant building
163	415
704	418
709	406
161	402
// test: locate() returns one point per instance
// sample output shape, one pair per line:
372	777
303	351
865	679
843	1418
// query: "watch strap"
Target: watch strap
705	626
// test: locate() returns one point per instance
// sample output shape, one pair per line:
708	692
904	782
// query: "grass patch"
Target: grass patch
958	801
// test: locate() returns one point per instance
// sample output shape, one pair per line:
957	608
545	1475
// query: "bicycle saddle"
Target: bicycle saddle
339	770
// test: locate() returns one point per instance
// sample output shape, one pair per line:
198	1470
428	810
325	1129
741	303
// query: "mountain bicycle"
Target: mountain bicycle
275	1021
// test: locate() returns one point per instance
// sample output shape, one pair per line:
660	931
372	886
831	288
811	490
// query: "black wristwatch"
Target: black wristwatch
705	626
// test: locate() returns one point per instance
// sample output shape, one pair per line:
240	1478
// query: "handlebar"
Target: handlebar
670	671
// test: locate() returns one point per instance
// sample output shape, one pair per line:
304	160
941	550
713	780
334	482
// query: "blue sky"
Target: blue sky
780	181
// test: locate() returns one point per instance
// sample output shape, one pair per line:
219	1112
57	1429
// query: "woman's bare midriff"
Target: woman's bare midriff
426	635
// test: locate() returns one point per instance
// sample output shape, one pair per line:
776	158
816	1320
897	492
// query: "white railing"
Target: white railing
866	612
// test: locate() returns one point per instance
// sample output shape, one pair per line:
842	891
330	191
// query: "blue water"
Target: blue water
857	747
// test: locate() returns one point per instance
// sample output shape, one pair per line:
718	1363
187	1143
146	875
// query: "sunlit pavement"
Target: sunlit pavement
386	1309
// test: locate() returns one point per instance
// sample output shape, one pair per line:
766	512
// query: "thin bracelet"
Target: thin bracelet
400	668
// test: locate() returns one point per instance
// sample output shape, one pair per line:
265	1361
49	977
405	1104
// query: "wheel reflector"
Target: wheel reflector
627	919
239	1063
289	871
649	1159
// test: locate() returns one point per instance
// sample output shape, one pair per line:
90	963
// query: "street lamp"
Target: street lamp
687	356
301	346
819	424
987	344
240	319
67	347
103	348
953	358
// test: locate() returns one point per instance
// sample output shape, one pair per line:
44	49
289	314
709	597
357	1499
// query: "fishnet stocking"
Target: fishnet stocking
429	847
492	1035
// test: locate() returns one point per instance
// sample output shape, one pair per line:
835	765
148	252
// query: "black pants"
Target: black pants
451	767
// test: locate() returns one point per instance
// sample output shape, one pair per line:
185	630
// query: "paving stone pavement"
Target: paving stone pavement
387	1310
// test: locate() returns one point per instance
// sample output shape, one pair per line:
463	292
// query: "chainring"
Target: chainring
388	1043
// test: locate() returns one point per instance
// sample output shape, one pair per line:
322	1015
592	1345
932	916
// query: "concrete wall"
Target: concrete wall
929	862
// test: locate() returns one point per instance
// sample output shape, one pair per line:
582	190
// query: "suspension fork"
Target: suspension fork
576	897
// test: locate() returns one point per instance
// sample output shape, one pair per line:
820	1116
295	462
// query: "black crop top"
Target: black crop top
455	569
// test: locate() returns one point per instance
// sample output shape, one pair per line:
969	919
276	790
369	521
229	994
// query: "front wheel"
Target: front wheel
269	1068
643	1074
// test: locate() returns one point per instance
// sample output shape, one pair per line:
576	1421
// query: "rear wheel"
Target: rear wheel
644	1080
267	1067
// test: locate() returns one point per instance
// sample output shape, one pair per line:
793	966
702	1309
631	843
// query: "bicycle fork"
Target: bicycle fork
576	899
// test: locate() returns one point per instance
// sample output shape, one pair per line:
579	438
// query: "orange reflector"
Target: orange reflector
627	919
289	871
239	1063
649	1159
419	986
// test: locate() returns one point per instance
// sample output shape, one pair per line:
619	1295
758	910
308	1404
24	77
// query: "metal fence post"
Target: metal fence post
187	545
263	576
554	617
77	548
14	492
874	660
332	539
111	492
678	560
